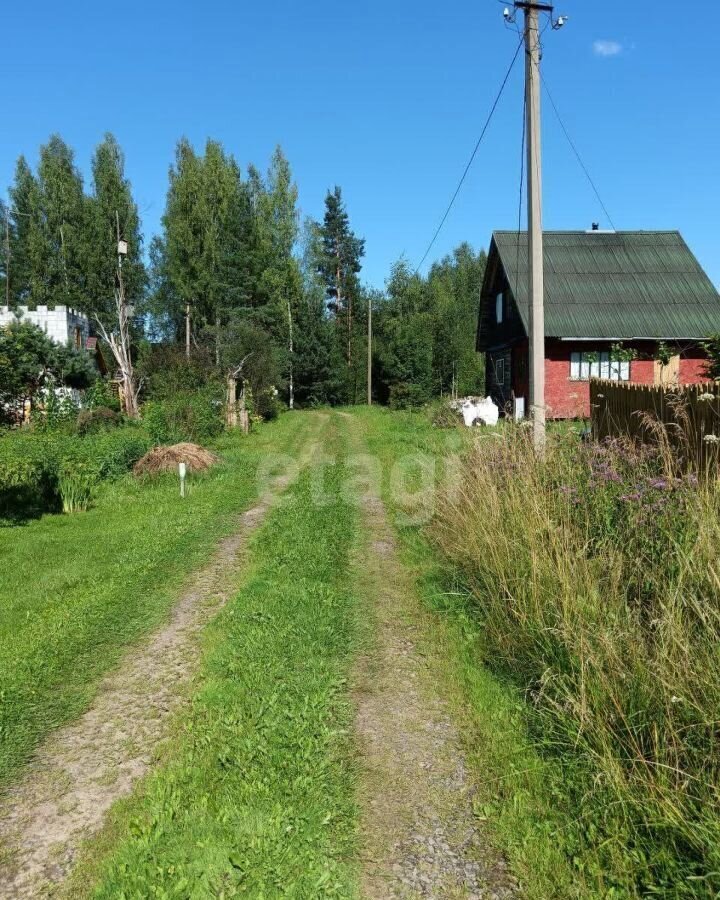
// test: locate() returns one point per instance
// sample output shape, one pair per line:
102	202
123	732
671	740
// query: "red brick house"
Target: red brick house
626	305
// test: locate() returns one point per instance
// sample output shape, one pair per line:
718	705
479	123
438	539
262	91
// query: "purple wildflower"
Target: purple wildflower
660	484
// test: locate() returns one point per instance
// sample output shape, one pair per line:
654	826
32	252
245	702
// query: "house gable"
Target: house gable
614	285
492	333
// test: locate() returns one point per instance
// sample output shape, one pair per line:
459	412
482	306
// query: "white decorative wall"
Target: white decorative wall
61	324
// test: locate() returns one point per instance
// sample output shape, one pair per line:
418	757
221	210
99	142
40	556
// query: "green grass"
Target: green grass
594	574
75	590
521	797
255	794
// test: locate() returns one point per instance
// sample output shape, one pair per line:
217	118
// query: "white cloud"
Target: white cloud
607	48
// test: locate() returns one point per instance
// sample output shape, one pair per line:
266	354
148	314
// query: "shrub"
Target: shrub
596	576
193	416
266	405
102	394
405	395
167	371
40	470
98	418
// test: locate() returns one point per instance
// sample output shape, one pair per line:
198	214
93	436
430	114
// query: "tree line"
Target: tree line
237	276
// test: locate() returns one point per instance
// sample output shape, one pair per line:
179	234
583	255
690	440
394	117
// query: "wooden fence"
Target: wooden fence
690	414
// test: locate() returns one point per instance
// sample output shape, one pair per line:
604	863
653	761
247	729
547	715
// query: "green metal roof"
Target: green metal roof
625	284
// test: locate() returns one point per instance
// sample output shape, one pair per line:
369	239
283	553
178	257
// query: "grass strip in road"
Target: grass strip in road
75	590
255	796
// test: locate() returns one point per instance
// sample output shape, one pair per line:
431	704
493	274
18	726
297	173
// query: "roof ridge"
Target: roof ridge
514	231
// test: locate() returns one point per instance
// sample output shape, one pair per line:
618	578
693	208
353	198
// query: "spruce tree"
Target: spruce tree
339	266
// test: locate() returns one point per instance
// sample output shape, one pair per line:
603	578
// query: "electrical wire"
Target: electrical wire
472	157
576	151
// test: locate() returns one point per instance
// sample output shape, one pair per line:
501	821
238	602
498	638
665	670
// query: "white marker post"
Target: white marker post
182	469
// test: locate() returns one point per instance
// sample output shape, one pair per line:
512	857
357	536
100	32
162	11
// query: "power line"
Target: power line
472	157
577	153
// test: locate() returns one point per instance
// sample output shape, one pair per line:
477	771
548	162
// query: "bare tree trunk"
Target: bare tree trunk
290	327
243	414
340	302
119	342
231	410
349	337
236	412
187	330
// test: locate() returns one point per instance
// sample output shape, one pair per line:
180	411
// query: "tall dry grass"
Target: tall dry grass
597	575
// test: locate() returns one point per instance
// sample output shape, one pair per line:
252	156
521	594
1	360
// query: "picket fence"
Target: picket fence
690	414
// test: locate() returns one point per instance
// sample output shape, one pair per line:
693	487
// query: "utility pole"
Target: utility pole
369	351
536	283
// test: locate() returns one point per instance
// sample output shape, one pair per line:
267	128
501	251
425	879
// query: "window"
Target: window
499	366
598	364
499	307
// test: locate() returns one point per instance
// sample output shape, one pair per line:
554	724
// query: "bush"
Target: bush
102	394
406	396
596	576
266	405
99	418
193	416
167	372
40	471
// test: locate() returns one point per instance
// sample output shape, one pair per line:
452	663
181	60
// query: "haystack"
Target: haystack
166	459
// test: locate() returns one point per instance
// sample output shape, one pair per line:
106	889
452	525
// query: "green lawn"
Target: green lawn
255	795
75	590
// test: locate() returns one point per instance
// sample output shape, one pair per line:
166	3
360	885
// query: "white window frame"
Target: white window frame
499	308
499	367
583	368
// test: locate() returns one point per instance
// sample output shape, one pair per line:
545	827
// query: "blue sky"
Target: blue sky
387	100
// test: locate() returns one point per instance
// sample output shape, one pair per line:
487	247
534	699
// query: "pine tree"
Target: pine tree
339	265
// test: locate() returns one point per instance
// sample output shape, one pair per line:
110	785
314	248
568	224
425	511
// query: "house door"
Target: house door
669	374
